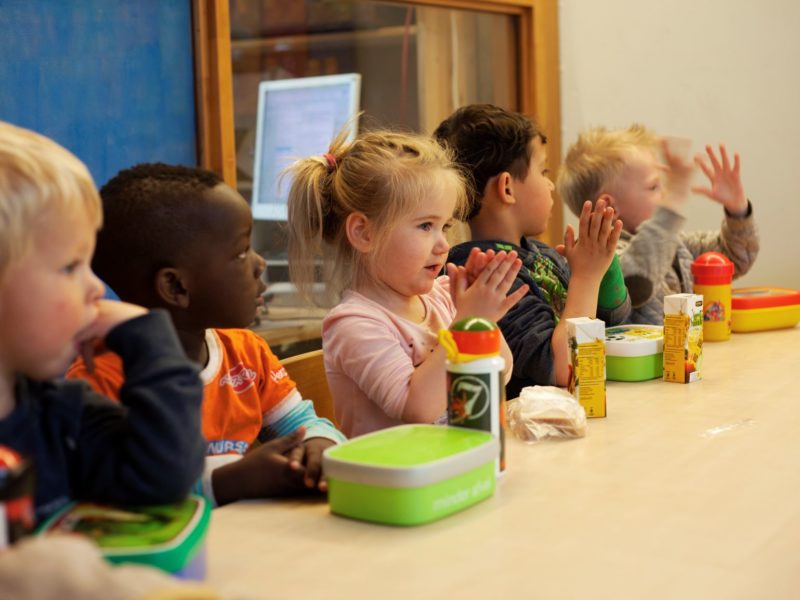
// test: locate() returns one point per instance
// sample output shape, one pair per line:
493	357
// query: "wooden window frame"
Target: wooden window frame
539	94
216	147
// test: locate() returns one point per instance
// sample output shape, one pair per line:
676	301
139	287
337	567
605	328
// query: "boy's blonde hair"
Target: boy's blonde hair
596	160
37	176
382	174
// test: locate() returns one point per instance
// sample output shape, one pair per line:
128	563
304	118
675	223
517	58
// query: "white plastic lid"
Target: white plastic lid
634	340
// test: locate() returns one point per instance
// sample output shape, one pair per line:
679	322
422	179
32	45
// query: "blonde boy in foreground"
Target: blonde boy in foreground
149	449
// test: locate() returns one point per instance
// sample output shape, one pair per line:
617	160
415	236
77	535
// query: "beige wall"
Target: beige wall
711	70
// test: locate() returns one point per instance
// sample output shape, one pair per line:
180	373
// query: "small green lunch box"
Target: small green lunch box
170	537
410	474
634	352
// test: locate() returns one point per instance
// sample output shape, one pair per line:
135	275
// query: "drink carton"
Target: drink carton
683	337
587	355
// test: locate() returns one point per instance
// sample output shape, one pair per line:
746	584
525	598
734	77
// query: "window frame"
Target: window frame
537	52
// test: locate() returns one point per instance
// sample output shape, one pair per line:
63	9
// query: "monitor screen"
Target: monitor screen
297	118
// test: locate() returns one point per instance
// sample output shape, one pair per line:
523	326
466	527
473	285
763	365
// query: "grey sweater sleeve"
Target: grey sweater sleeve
737	239
647	256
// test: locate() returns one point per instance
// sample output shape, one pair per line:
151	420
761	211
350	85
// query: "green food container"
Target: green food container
634	352
410	474
170	537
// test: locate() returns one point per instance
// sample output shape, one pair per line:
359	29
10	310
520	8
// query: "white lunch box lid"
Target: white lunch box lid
634	340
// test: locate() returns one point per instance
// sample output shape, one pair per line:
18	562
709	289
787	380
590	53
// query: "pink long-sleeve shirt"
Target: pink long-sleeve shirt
371	354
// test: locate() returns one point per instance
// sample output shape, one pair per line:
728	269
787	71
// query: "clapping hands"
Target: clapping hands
480	287
598	233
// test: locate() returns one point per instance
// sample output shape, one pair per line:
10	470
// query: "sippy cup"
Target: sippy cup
713	273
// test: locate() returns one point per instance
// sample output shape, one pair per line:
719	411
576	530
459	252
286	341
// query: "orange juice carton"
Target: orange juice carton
587	360
683	337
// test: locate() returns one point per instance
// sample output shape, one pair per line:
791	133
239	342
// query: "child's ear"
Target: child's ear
504	187
359	231
171	288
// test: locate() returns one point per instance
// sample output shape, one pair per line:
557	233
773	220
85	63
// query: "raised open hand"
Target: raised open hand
726	184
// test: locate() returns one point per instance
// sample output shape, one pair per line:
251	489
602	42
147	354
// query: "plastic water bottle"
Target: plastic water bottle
475	387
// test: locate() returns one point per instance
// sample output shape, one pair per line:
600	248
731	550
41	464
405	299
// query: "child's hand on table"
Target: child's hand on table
726	184
264	472
307	458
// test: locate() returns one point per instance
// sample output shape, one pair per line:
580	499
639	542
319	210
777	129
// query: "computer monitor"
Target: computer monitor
297	118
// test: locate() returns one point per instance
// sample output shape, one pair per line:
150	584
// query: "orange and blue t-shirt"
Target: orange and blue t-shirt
246	393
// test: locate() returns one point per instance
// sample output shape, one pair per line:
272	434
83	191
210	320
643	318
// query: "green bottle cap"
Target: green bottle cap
473	324
475	336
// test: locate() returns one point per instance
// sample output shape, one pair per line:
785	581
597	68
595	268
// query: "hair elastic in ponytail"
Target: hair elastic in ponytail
331	159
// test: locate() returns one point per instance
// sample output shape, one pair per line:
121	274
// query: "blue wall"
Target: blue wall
112	80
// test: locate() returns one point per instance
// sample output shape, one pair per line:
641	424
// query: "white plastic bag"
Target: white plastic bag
546	411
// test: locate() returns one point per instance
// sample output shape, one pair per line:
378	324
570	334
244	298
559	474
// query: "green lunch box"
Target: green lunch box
410	474
634	352
170	537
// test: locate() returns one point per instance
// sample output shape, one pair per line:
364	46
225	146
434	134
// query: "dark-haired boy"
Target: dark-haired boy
179	238
503	154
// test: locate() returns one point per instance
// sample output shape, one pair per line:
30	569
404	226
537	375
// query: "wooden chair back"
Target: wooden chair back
307	370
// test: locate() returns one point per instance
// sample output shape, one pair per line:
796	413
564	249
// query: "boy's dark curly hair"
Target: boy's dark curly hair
151	220
486	141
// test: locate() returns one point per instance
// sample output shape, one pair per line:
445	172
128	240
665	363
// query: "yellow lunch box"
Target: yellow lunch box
762	308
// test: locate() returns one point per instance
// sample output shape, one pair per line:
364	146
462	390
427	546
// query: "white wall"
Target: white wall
711	70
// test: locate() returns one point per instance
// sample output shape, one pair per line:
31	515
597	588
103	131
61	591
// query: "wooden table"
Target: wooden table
684	491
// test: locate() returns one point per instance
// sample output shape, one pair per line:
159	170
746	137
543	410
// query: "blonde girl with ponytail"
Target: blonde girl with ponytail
375	211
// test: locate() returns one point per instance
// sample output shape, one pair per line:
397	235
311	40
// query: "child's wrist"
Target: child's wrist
225	485
586	281
738	210
588	271
231	481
